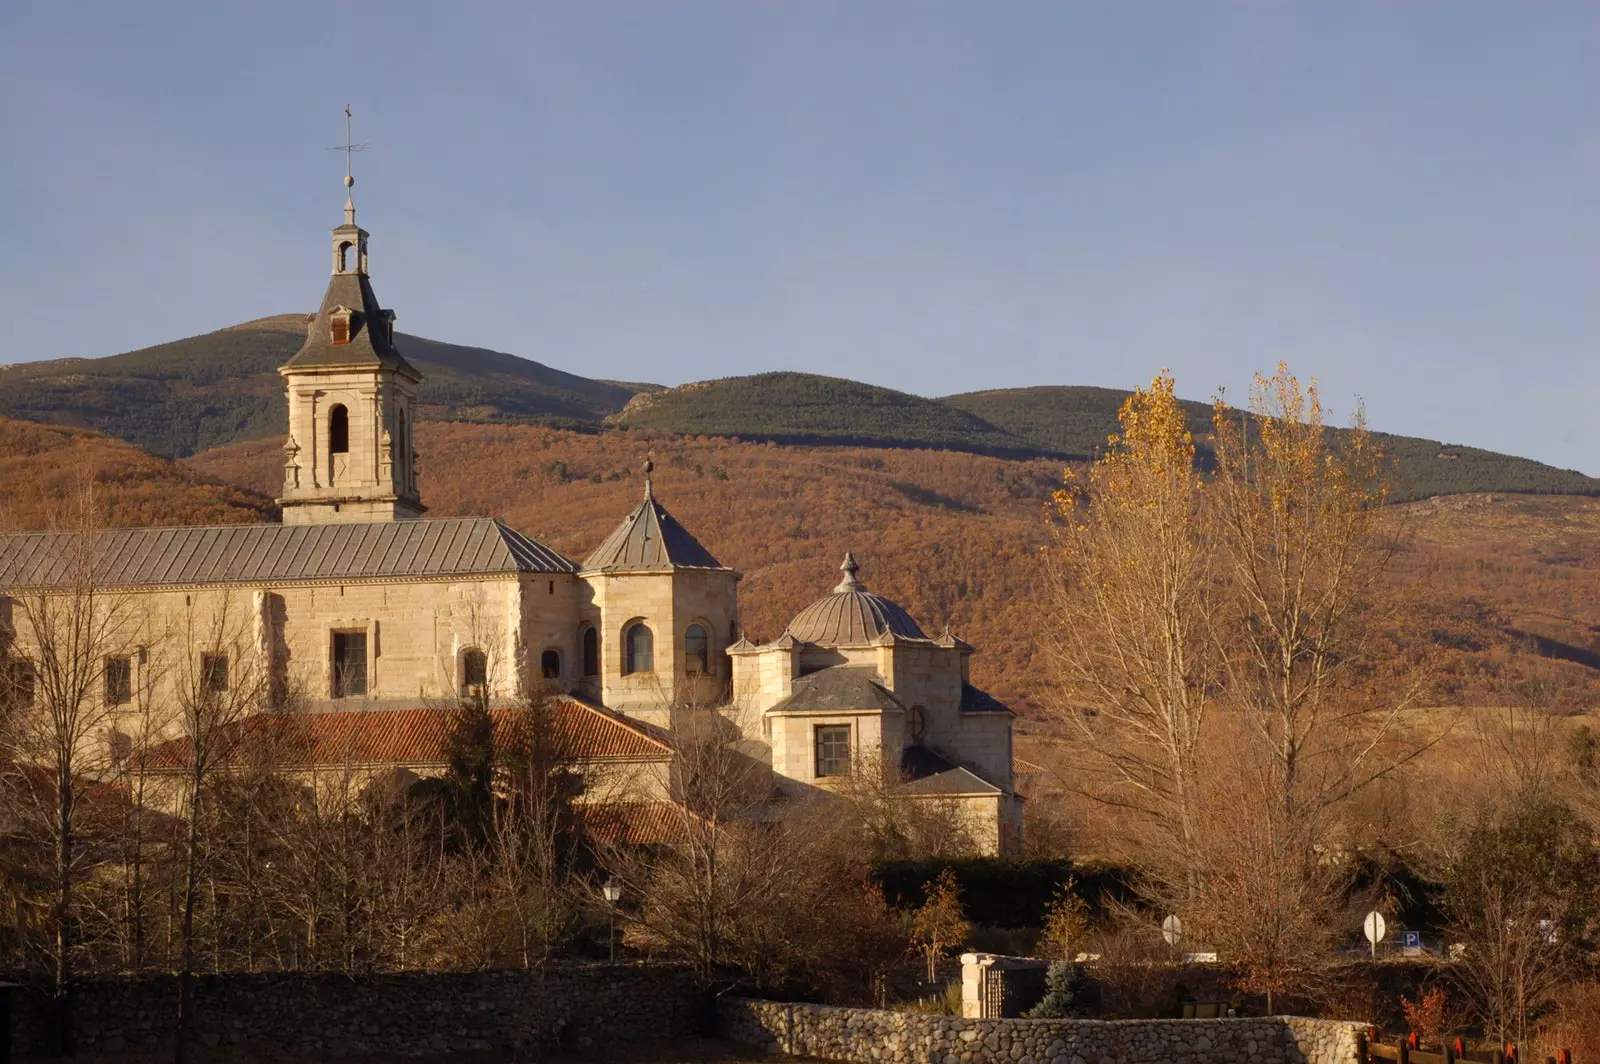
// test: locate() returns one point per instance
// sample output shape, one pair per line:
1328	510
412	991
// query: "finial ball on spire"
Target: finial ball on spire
348	181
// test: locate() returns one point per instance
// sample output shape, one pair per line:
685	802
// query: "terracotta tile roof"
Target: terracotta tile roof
634	823
275	554
417	737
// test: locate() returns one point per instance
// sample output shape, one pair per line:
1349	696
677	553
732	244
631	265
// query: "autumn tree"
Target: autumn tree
1131	639
939	923
1066	923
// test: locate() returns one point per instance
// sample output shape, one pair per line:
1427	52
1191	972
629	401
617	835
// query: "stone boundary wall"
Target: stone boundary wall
317	1015
862	1035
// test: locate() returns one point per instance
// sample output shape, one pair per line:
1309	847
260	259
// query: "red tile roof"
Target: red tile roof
417	737
634	823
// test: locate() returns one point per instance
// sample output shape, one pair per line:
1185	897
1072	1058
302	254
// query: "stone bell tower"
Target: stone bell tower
352	403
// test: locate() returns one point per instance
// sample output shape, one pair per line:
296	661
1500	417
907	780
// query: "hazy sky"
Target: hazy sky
1397	197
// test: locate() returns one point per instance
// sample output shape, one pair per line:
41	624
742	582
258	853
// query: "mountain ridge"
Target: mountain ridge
219	388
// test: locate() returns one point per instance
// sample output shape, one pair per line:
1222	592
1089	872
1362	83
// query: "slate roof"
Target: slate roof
851	615
838	688
416	737
974	700
930	773
650	538
276	554
369	343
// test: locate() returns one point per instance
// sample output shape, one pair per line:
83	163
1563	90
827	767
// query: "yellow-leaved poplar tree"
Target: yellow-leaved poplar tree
1132	642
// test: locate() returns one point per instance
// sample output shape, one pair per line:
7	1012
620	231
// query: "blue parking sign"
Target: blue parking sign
1413	939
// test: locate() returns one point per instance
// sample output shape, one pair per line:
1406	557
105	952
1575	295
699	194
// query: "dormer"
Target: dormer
340	324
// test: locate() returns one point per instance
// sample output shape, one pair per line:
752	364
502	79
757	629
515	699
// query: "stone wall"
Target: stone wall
316	1016
916	1038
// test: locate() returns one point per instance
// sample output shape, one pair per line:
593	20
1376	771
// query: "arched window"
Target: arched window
640	646
697	649
344	257
591	652
339	430
474	672
550	664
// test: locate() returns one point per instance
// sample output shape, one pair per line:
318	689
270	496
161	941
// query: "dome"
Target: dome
851	615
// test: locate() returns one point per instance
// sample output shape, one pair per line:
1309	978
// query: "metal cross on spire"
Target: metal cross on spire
349	176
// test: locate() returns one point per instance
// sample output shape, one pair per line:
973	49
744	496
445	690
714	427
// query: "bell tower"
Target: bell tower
352	401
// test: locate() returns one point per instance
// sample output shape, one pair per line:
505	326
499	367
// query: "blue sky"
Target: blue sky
1400	198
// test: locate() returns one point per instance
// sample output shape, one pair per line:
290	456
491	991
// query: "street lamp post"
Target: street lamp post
613	894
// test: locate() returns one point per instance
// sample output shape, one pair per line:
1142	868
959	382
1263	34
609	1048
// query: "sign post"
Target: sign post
1374	927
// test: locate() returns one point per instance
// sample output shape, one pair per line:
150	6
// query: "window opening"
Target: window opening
641	649
833	750
119	681
213	673
474	672
349	664
550	664
591	652
339	430
697	649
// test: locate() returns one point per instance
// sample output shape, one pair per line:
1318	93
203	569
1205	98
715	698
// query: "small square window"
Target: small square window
119	681
833	750
213	673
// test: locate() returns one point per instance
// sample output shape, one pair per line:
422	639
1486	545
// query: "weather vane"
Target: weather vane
347	148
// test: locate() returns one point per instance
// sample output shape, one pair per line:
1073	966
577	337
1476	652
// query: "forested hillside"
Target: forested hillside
957	539
44	471
223	387
1077	420
804	408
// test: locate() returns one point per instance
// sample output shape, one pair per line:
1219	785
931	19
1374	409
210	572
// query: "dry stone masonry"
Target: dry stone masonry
914	1038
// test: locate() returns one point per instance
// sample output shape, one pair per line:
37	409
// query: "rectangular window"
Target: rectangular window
119	681
833	750
349	664
213	673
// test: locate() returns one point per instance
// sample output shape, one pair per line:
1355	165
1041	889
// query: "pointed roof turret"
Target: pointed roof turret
350	329
650	538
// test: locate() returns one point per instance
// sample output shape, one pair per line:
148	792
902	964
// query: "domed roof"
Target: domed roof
851	615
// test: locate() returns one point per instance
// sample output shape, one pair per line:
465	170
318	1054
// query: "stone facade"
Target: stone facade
317	1016
916	1038
355	604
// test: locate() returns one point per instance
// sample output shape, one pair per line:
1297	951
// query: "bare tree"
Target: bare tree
57	643
220	679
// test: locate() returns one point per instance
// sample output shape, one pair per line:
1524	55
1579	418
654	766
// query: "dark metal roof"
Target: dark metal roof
839	688
274	554
369	343
852	616
650	538
974	700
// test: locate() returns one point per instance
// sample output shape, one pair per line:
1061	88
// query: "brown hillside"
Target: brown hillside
948	535
954	538
43	466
